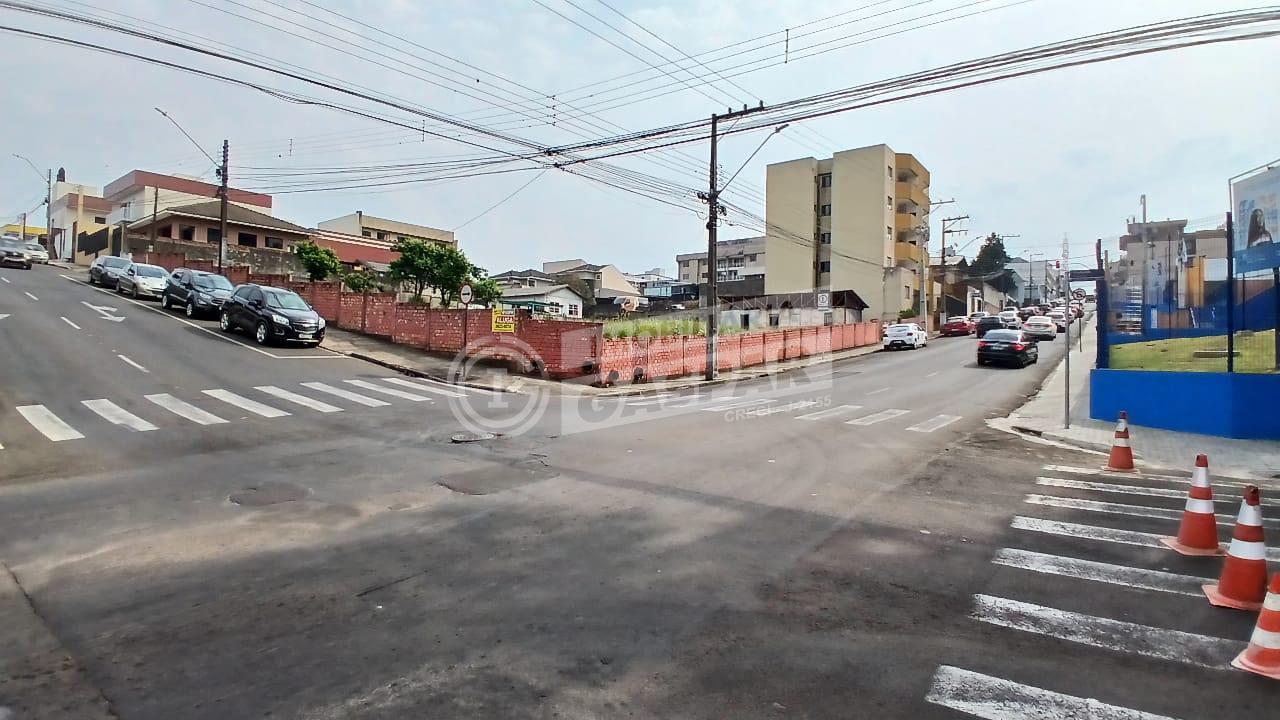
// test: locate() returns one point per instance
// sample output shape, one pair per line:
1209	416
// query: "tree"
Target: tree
358	281
486	291
431	266
580	286
991	260
319	262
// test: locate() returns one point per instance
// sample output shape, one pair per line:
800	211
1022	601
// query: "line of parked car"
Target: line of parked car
1011	336
271	314
15	252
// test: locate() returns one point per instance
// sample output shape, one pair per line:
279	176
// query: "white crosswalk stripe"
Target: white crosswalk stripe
421	387
830	412
737	404
346	394
1103	534
297	399
51	426
1120	489
388	391
1177	479
1046	564
184	409
993	698
934	423
877	417
643	400
245	403
117	415
1133	510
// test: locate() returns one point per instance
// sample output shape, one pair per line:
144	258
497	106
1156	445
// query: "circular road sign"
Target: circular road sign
465	294
1078	293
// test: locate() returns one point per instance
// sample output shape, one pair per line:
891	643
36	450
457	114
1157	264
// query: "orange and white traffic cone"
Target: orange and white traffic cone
1121	454
1198	533
1263	654
1243	583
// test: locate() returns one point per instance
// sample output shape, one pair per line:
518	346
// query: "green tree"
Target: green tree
319	262
990	263
359	281
431	266
486	291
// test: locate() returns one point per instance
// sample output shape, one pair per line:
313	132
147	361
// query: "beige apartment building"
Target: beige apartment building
390	231
856	221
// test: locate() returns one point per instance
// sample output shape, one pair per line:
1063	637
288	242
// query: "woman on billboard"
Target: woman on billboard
1258	233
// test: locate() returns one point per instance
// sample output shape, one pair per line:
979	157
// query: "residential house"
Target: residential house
388	231
79	215
253	238
523	279
1042	279
607	282
140	194
740	267
557	300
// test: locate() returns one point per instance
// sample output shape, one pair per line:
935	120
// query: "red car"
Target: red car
958	325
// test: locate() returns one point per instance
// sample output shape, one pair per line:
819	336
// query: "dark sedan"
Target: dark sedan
986	324
196	292
1008	347
272	315
106	270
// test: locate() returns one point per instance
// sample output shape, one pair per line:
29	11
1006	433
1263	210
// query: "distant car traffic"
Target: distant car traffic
904	335
196	292
1008	347
141	280
105	270
1010	319
958	325
986	324
14	253
1059	319
975	316
38	253
273	315
1040	327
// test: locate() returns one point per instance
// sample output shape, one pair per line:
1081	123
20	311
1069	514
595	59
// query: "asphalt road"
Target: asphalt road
840	544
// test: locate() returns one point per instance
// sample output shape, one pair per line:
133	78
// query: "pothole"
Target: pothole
271	493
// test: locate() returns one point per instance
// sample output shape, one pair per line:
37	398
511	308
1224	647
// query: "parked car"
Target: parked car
272	314
141	280
105	270
904	335
1010	319
1059	319
38	253
958	325
195	291
986	324
1008	347
1040	327
975	316
14	253
1027	312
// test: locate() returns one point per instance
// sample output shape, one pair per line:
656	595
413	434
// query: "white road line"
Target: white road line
1104	534
387	391
136	365
117	415
65	320
463	388
877	392
934	423
1126	637
877	417
33	297
302	400
245	403
648	399
1074	470
423	388
784	408
830	412
346	394
1122	509
50	425
184	409
935	372
737	404
4	279
993	698
1101	572
1137	490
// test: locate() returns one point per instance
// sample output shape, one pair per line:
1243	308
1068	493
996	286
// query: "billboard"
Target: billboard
1255	202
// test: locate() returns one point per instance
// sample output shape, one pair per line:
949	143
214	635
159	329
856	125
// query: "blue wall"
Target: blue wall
1232	405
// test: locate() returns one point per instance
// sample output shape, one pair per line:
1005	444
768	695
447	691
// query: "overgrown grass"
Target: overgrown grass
1256	354
654	327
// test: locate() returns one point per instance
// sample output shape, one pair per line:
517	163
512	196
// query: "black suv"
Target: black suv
273	314
987	323
195	291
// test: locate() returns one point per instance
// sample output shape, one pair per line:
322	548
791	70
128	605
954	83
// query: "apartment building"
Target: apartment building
739	259
856	221
388	231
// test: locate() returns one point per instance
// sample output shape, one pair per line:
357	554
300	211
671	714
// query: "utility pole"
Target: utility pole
222	194
1066	377
48	212
923	312
945	231
23	232
155	208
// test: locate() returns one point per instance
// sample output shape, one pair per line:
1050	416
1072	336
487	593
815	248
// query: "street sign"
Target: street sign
823	300
1078	293
465	294
1084	275
504	320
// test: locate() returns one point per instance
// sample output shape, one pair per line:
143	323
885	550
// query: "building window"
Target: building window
382	235
824	238
366	233
99	220
906	292
401	238
890	168
888	201
751	257
554	308
188	232
247	239
575	311
275	242
888	232
825	211
824	180
824	266
165	231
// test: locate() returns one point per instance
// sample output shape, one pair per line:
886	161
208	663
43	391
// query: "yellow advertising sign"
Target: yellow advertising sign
504	320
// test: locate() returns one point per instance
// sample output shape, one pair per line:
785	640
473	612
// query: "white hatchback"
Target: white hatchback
905	335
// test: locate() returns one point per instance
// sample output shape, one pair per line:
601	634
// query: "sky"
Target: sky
1066	153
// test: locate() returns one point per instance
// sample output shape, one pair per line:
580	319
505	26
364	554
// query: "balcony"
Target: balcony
909	166
906	223
911	192
908	252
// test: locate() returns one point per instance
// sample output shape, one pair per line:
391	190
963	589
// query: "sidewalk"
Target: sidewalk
1042	415
413	361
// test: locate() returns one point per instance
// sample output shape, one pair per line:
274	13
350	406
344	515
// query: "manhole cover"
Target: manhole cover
268	494
467	437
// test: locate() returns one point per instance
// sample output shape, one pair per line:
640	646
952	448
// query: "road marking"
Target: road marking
33	297
184	409
117	415
50	425
386	390
65	320
1122	509
245	403
1136	490
465	388
993	698
877	417
935	423
423	388
737	404
1104	534
775	409
648	400
1101	572
877	392
302	400
346	394
830	412
4	279
1176	645
935	372
136	365
1217	480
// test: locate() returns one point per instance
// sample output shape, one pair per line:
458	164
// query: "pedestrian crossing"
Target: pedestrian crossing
218	406
1084	568
811	411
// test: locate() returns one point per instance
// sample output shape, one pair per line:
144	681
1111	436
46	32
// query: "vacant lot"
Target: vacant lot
1256	354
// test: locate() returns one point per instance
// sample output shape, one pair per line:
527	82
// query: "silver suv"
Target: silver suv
14	253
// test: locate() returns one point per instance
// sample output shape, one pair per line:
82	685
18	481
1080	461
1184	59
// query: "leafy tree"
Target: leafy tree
319	262
580	286
359	281
426	265
991	260
486	291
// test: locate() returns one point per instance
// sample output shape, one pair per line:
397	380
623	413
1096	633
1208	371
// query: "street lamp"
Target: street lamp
1031	270
47	177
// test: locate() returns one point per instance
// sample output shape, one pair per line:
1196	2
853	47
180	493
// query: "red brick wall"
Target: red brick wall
410	324
380	314
350	311
168	261
238	275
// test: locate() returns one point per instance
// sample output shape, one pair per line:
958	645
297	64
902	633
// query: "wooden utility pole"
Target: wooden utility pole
222	194
155	207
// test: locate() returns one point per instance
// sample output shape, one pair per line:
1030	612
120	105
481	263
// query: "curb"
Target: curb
412	372
724	380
